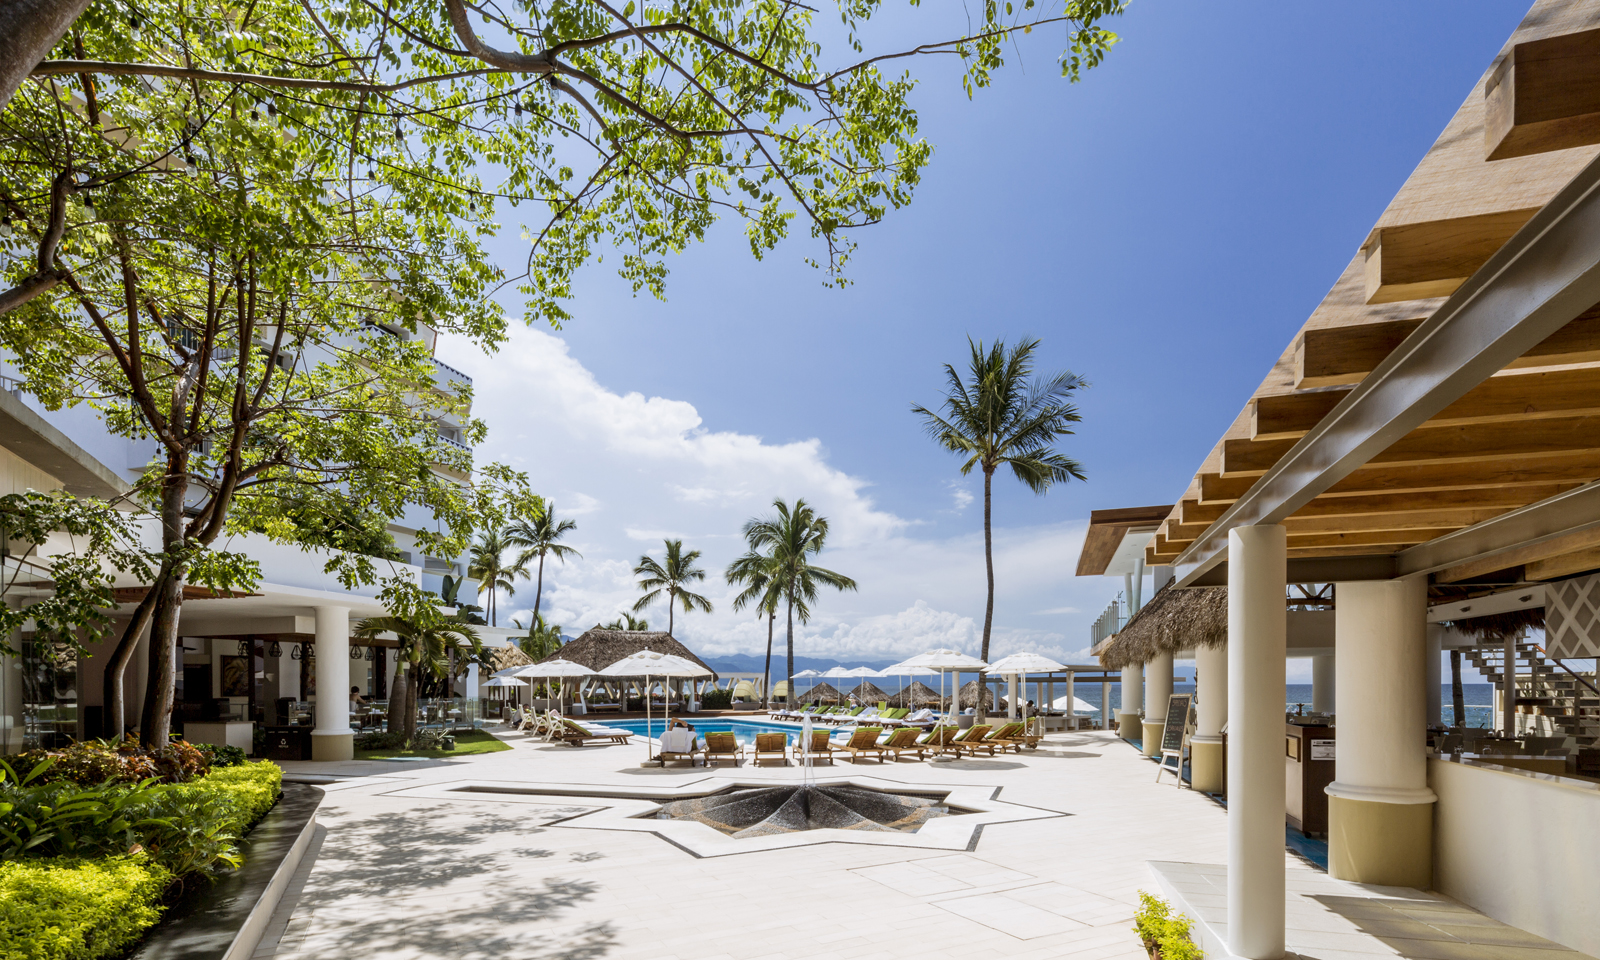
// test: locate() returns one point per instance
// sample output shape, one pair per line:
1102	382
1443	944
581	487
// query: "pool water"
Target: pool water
743	730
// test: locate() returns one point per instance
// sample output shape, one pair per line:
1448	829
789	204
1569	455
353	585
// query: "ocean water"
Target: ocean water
1478	698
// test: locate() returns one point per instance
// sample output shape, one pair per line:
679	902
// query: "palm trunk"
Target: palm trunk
766	671
397	697
538	589
788	683
988	565
672	595
1457	700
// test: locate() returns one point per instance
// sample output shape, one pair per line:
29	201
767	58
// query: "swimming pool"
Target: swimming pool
743	730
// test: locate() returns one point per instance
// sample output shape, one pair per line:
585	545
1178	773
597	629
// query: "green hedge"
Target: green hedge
77	909
61	908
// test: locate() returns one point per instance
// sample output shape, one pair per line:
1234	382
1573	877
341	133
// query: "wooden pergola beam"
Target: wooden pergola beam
1436	445
1542	394
1334	356
1582	467
1543	96
1414	261
1193	512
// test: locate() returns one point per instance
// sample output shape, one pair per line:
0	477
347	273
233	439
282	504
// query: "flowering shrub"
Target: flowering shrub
98	761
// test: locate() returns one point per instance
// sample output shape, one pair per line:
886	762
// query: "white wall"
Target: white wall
1521	848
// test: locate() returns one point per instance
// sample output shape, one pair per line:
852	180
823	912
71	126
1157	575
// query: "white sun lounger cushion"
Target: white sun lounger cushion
677	741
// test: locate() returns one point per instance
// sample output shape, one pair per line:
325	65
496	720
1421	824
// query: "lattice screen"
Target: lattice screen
1572	617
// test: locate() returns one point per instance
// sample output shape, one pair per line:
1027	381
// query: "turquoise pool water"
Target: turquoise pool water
743	730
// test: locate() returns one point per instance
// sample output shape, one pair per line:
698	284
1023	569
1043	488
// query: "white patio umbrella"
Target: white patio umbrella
944	661
836	673
1024	664
503	682
557	669
647	664
902	671
807	674
861	672
1079	705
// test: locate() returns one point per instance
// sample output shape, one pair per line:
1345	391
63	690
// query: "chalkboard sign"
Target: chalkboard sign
1177	722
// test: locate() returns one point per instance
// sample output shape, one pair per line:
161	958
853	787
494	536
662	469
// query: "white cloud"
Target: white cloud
959	495
635	470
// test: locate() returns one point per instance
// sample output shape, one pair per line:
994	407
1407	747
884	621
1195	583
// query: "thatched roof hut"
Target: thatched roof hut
506	657
916	695
868	692
1173	620
1496	627
600	648
824	691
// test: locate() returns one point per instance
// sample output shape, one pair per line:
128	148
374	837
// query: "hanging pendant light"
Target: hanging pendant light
297	652
355	653
369	653
275	651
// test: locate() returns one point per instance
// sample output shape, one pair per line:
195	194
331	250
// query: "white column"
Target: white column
1380	810
1072	692
1105	704
333	739
1157	690
1322	685
1128	726
1011	696
1210	713
1257	625
1434	683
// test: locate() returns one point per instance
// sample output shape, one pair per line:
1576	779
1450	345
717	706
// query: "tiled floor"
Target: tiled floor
1327	919
402	877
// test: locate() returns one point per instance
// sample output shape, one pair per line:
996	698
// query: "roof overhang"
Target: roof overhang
31	437
1116	539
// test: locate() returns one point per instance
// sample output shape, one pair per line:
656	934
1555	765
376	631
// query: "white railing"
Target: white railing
1110	621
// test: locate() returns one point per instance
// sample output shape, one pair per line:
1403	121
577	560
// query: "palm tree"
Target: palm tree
672	576
538	538
486	563
791	538
542	640
763	587
626	621
427	644
1003	416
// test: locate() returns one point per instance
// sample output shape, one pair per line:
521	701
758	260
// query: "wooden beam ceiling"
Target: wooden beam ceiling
1581	467
1544	95
1344	355
1413	261
1508	397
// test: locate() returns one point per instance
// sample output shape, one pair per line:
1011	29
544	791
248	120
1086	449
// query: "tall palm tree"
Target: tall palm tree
542	640
1003	416
673	576
792	538
427	643
486	563
537	538
763	587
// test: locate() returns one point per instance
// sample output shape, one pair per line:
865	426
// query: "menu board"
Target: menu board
1177	722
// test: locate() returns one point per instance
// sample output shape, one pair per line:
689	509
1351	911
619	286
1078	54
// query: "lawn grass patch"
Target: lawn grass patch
467	744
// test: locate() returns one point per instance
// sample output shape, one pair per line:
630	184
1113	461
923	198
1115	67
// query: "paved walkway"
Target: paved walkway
405	868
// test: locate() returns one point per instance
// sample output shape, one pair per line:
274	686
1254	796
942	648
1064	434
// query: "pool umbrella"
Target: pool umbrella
807	674
1024	664
944	661
556	669
1079	705
647	664
503	682
836	673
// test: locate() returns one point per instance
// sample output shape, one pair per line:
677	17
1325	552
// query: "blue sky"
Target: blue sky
1164	227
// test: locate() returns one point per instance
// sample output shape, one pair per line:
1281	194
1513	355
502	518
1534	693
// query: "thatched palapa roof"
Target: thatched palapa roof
510	655
1173	620
822	691
868	693
915	695
1498	626
600	648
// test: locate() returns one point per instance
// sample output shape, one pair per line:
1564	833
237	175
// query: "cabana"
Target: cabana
600	648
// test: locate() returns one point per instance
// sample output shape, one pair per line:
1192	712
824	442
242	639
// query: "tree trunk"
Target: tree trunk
397	697
988	610
28	29
1457	699
155	722
672	595
116	667
538	589
766	671
413	694
788	683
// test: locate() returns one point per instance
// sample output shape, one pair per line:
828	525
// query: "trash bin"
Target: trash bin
288	743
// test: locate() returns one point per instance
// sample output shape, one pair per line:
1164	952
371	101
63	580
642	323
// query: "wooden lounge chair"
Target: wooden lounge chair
864	740
1008	735
723	745
772	746
821	748
973	739
938	739
678	744
903	740
577	735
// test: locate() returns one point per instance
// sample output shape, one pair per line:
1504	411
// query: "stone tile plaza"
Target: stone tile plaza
385	574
